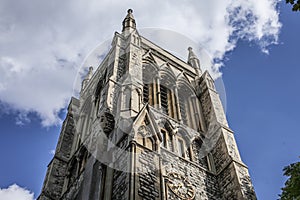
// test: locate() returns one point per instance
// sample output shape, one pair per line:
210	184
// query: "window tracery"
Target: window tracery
167	94
127	99
189	107
183	145
145	138
149	84
174	96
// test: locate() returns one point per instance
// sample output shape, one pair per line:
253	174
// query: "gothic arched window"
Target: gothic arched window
189	107
149	143
167	140
167	94
149	84
85	119
164	137
145	138
82	158
183	145
140	139
127	98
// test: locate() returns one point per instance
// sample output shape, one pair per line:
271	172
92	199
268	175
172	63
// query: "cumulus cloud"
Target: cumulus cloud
43	43
15	192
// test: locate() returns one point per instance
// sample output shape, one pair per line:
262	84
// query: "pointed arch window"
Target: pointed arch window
167	139
127	98
149	143
140	139
189	107
144	138
164	137
167	95
149	84
181	147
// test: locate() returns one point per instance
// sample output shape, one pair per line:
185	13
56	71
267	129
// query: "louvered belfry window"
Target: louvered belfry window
148	84
164	99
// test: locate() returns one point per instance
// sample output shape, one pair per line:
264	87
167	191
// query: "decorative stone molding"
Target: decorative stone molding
180	186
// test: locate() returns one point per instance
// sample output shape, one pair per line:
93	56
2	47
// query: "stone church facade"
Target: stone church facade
147	126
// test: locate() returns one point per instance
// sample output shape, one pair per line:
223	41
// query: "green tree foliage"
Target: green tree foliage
296	5
291	191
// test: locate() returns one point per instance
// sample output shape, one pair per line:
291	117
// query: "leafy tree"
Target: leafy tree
296	5
291	191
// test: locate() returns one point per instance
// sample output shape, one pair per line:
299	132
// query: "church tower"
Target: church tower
147	126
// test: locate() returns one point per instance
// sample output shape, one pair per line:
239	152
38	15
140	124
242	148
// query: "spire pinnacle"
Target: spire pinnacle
129	21
90	73
87	77
192	55
194	61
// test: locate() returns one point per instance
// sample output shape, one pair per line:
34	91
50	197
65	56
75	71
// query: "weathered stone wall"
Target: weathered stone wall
64	145
120	186
220	155
57	168
73	190
54	179
245	182
233	178
228	184
147	175
204	183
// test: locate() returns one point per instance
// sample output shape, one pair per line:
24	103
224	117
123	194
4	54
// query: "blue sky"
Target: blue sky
262	92
263	105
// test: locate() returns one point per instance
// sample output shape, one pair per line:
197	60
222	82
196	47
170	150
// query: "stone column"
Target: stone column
196	113
154	92
133	170
173	101
191	151
191	111
158	92
177	103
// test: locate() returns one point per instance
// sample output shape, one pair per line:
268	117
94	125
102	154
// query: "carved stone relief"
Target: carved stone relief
204	183
180	186
107	122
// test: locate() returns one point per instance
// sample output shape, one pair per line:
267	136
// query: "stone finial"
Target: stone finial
194	61
90	73
192	55
129	11
129	21
87	77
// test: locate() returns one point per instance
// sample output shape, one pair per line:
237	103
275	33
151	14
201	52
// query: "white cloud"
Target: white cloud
52	152
43	43
15	192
